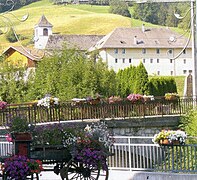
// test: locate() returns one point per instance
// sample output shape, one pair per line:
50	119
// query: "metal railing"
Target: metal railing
70	111
139	153
6	148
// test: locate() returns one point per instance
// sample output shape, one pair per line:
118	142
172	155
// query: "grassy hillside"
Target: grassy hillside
68	19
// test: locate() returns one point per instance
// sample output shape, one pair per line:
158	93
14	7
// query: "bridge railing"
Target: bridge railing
139	153
80	111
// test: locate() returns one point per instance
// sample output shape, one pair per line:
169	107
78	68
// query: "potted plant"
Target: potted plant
171	96
161	137
19	128
47	101
114	99
19	134
170	137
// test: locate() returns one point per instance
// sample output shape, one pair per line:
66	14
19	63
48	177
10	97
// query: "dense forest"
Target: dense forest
6	5
162	13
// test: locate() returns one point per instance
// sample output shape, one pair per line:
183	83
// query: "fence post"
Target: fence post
129	145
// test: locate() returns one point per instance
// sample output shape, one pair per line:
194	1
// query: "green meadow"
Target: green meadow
66	19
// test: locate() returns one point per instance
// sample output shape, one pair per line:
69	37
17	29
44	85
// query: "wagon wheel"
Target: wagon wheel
79	171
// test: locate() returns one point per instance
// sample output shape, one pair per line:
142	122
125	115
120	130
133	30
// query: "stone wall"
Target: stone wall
142	126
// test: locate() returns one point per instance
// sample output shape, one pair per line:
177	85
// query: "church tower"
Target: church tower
42	31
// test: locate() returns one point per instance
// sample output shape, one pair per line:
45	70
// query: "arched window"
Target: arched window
45	32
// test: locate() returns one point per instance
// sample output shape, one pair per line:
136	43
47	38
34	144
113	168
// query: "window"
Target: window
170	60
190	71
129	60
184	51
158	72
151	60
184	71
123	51
144	60
158	51
184	61
170	51
116	60
123	60
143	51
171	72
45	32
157	60
116	51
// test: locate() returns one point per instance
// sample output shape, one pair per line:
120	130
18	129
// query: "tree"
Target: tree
160	13
71	74
13	85
119	7
141	81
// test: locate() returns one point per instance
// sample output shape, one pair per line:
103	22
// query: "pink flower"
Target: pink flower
8	138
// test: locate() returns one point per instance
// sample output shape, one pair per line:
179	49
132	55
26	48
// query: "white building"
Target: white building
159	49
162	51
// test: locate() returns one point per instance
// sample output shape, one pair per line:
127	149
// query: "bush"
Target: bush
189	124
10	36
160	86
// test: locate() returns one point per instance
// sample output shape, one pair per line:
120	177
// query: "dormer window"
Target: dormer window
116	51
45	32
143	51
123	51
170	51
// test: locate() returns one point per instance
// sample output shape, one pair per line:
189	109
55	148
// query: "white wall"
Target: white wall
163	66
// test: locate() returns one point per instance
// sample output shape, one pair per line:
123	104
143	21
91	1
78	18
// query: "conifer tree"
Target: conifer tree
141	82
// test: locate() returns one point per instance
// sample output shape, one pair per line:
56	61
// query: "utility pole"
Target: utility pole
194	36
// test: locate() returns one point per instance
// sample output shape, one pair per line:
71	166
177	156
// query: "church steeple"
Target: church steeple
43	22
42	31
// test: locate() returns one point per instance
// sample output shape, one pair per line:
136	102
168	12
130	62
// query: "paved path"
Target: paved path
113	175
129	175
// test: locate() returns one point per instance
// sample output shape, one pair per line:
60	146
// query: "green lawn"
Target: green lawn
180	80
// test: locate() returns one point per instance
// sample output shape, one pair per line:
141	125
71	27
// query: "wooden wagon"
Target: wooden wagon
60	160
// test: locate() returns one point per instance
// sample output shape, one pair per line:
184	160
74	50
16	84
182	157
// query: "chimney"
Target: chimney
143	27
135	40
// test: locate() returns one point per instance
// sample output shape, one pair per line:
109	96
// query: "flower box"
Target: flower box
22	136
170	137
164	141
171	96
